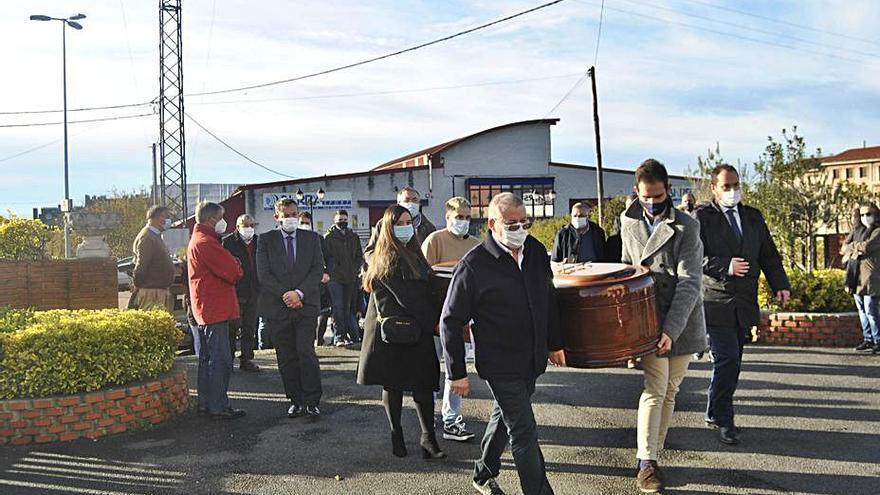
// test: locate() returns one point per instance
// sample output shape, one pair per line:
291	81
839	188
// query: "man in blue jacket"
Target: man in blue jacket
505	286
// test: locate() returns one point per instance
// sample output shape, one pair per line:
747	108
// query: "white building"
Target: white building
513	157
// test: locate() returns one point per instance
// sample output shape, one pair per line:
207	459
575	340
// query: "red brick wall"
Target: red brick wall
94	414
810	329
59	284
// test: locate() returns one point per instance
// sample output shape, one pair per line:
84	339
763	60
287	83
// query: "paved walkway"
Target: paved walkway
811	419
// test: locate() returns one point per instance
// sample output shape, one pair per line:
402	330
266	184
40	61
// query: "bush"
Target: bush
821	291
67	352
545	230
23	240
12	320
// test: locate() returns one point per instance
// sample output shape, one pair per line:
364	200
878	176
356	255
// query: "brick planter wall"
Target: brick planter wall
810	329
89	283
94	414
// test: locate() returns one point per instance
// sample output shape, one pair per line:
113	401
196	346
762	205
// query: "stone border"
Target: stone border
94	414
809	329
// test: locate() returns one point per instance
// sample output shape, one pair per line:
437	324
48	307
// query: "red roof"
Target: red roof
855	154
400	162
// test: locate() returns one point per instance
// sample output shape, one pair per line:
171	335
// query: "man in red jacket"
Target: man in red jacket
213	273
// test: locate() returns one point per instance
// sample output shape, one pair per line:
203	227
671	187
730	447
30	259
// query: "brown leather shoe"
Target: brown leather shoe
649	479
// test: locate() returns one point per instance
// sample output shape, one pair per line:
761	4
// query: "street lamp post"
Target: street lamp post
67	205
310	200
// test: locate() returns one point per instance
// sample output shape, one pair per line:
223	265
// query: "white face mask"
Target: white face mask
867	220
459	227
403	233
304	226
514	240
247	233
220	227
289	224
729	199
579	222
167	224
412	207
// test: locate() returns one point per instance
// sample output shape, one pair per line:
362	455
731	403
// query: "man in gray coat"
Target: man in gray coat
666	241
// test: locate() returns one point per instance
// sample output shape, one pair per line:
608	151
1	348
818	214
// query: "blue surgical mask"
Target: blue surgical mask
654	209
460	227
413	208
404	233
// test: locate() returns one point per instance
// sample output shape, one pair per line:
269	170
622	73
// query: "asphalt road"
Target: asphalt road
811	420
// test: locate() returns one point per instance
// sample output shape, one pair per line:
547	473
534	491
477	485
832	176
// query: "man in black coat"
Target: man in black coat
290	265
581	240
737	247
243	245
505	286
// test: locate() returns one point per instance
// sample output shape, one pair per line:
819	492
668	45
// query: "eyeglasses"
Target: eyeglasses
513	227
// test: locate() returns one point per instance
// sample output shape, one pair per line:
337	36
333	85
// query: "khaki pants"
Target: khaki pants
663	375
147	299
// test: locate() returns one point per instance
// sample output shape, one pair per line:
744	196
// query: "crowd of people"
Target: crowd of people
705	260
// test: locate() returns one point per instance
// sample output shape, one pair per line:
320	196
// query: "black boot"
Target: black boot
430	449
865	346
398	447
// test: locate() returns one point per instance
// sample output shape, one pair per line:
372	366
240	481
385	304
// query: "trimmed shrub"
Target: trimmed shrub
545	230
67	352
821	291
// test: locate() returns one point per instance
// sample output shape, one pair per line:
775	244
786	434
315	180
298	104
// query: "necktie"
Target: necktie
735	226
291	249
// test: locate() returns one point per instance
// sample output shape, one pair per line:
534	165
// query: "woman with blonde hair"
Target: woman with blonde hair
398	346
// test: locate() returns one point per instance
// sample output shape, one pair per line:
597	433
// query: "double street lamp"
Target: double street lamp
67	205
310	200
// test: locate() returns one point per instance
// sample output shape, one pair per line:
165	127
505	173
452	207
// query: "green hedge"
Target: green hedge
65	352
821	291
546	230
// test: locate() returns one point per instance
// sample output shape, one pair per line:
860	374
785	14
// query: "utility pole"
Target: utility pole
172	141
154	192
599	179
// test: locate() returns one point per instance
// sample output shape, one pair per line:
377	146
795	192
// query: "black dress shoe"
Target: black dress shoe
248	365
875	349
228	413
296	411
313	412
203	411
728	435
712	424
398	447
430	449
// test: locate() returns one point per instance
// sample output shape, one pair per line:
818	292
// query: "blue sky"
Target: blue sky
670	83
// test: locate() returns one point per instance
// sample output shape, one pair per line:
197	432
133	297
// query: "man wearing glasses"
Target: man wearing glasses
506	287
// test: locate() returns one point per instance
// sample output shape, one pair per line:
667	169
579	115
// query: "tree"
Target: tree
23	240
132	207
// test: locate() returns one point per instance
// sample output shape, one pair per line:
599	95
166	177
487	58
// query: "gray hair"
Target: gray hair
405	189
242	218
157	211
503	202
206	210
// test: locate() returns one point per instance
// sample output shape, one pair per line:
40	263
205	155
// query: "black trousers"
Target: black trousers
247	327
294	339
727	348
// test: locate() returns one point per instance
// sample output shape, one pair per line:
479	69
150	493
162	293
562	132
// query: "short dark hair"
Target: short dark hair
341	212
717	170
305	215
157	211
652	171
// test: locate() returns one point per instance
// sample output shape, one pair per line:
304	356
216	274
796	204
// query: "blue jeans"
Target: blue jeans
513	421
451	408
727	346
342	296
215	366
869	316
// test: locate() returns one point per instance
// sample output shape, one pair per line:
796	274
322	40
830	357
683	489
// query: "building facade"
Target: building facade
514	157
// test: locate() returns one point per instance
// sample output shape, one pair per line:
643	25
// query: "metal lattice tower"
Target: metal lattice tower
172	145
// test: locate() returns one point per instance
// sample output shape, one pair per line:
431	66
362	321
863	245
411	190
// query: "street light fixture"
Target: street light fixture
67	205
310	200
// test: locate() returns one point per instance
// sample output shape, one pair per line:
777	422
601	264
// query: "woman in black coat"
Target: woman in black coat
398	281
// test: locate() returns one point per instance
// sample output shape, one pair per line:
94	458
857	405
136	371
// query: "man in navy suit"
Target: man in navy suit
290	265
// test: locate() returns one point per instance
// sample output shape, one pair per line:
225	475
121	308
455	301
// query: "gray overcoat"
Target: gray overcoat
674	254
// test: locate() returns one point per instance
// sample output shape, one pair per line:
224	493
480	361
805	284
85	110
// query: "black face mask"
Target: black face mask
690	207
342	225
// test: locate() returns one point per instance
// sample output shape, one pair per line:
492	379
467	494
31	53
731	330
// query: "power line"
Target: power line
239	153
29	150
389	92
787	23
81	109
381	57
756	30
568	94
104	119
599	33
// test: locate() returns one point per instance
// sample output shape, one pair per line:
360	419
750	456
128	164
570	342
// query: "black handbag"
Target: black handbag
398	330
